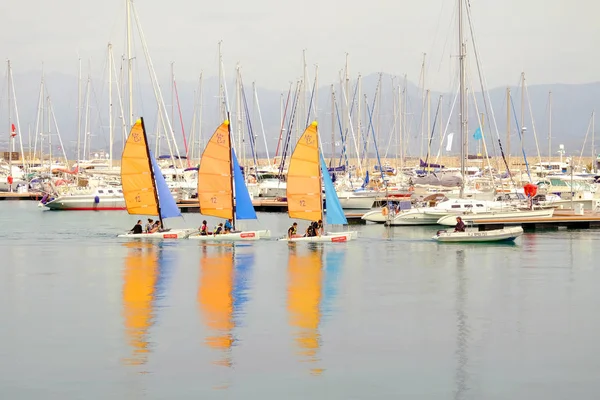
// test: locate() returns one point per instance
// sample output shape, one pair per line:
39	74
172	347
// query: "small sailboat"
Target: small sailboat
303	191
222	191
144	187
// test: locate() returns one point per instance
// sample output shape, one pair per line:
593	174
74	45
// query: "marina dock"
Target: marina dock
36	196
268	205
561	218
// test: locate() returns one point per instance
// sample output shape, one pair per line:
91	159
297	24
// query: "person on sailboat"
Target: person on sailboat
137	229
149	225
156	227
310	230
293	231
319	227
228	226
204	229
219	229
460	225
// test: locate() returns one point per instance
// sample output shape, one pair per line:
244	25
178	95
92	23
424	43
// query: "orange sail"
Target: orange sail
304	298
139	279
304	178
136	177
215	189
216	301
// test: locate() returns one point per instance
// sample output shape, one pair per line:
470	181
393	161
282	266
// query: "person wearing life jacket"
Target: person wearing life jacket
310	230
293	231
149	225
204	229
219	229
228	227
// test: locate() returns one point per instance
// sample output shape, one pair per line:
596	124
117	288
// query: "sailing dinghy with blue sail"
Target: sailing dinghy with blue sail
144	187
304	195
222	191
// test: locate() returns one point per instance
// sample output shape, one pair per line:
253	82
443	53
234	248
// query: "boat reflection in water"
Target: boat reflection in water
222	293
143	283
311	290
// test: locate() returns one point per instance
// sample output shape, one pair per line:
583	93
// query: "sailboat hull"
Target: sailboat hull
234	237
331	237
170	234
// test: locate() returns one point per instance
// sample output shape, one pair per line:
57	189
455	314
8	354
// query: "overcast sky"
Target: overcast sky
551	40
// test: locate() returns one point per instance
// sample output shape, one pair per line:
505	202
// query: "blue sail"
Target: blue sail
244	264
168	207
335	214
243	205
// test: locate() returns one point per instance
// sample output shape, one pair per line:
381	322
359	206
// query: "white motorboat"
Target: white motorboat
473	235
517	215
86	199
431	215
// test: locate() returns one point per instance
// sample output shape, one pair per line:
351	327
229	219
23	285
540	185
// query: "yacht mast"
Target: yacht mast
10	135
110	110
462	111
79	119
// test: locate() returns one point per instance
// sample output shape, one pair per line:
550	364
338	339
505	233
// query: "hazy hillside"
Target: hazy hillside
572	107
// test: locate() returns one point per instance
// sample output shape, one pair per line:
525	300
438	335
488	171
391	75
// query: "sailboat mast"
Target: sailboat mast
110	110
10	136
232	175
129	66
462	111
152	173
550	128
320	176
79	119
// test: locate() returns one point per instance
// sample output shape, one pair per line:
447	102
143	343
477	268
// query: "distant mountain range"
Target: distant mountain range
572	106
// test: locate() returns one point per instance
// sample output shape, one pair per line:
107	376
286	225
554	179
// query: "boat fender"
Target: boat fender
9	180
96	199
384	210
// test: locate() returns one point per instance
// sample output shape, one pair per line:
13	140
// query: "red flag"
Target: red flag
13	132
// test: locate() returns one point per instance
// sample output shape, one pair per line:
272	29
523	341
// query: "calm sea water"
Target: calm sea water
85	315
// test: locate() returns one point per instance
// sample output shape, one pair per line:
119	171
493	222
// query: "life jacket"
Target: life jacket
203	230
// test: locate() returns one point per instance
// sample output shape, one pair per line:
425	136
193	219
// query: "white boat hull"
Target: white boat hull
351	201
518	216
412	217
170	234
376	216
496	235
335	237
86	203
233	237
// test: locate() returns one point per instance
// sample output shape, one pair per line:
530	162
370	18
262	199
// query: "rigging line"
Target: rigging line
521	138
435	119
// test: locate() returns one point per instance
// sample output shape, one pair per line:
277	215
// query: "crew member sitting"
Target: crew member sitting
137	229
228	226
156	227
319	227
293	231
310	231
460	225
204	229
149	225
219	229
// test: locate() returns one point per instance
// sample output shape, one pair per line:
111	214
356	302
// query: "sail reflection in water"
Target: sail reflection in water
308	300
143	279
222	293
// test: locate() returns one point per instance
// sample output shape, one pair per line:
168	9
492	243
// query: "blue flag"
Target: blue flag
477	135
